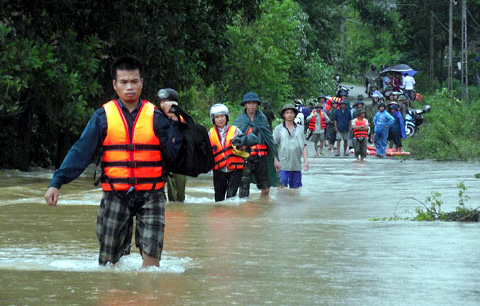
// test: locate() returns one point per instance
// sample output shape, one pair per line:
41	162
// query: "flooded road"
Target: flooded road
314	246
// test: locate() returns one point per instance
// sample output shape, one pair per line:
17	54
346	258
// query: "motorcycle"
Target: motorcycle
414	118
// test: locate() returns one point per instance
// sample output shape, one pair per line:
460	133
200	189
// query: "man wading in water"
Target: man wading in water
254	121
134	138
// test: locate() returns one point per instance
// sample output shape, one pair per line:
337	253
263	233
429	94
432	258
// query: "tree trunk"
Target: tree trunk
431	67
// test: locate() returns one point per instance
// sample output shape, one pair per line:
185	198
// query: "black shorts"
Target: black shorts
115	224
258	168
397	139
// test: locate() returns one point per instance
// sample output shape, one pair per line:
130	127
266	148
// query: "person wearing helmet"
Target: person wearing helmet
176	183
358	104
263	161
382	121
291	144
228	168
317	123
397	129
360	134
343	126
343	95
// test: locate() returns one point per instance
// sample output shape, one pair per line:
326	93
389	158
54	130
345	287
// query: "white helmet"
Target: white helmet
219	109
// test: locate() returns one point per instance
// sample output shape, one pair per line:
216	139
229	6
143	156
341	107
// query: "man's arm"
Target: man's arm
305	158
78	157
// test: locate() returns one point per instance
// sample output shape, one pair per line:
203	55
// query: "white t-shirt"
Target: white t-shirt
408	82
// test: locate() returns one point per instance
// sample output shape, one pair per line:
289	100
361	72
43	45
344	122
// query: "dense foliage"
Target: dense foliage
55	55
450	130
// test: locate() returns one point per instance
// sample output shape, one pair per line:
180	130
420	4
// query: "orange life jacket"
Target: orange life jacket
223	155
131	160
360	133
258	149
311	123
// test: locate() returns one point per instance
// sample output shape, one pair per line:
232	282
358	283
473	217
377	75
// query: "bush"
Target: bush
450	130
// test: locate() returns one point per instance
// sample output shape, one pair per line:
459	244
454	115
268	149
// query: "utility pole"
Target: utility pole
450	47
464	53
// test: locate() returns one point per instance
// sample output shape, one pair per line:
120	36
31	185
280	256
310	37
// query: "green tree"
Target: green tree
269	55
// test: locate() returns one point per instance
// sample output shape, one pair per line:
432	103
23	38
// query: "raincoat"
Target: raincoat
382	121
399	124
260	122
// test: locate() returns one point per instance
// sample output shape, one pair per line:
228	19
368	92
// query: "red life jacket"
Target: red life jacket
131	160
360	133
311	123
223	155
258	149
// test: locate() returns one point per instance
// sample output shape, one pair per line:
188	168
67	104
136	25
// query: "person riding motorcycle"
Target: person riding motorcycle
371	79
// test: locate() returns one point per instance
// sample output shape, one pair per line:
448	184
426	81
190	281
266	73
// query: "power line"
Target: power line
473	19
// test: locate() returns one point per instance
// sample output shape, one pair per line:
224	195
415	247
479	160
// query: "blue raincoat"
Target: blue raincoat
382	121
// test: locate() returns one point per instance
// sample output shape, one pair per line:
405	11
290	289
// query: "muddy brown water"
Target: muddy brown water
314	246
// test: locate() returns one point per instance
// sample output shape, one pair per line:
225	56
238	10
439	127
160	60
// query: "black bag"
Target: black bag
196	154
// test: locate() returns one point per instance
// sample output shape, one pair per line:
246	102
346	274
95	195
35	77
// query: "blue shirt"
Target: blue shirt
90	142
343	119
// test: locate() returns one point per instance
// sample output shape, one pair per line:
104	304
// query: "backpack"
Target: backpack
196	154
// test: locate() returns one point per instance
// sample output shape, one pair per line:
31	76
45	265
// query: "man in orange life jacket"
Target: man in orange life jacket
360	133
134	138
254	121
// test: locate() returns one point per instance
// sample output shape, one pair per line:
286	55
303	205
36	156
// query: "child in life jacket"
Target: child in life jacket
229	159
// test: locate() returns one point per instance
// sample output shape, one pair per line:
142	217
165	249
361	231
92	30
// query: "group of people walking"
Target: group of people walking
135	140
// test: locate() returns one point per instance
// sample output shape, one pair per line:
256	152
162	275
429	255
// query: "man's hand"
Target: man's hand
277	164
166	106
307	165
51	196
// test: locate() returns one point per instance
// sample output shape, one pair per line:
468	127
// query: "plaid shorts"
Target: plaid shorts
115	224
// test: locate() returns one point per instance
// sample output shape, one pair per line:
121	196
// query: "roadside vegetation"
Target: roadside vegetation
55	56
451	130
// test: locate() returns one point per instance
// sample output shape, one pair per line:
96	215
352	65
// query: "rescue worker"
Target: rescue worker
317	123
134	138
228	169
263	156
176	183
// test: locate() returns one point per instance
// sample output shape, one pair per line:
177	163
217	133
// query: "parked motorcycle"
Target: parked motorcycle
414	118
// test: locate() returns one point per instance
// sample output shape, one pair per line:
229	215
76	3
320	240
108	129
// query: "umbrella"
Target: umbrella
400	68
